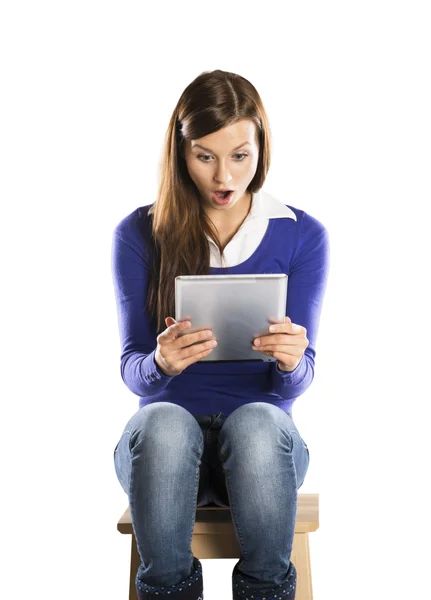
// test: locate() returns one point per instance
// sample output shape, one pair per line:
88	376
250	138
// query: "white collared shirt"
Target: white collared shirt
248	237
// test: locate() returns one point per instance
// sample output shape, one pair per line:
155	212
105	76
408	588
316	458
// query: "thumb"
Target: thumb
295	328
169	321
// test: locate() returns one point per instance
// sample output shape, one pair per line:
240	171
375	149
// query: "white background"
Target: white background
87	92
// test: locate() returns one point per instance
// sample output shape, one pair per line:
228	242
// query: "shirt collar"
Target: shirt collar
263	207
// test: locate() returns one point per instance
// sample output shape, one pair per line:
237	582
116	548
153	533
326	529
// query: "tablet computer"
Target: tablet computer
238	308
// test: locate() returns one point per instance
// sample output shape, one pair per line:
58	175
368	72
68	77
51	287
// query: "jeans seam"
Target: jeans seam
298	435
232	510
196	491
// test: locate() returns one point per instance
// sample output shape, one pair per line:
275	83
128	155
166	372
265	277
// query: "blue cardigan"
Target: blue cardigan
298	248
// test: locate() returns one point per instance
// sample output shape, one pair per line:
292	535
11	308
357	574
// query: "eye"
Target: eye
242	154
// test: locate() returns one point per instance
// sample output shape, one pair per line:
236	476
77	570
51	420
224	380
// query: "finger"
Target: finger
171	333
287	327
195	357
278	348
192	340
187	355
170	320
269	340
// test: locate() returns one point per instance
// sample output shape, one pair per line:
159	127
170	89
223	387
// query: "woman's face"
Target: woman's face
226	159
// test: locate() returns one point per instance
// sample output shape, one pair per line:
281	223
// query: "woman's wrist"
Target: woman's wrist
165	369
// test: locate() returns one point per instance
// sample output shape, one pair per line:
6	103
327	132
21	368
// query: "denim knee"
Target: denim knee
163	421
246	424
151	433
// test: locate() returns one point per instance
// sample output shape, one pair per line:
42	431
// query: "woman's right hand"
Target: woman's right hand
174	354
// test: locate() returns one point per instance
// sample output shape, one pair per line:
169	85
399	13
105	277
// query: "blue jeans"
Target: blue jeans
170	461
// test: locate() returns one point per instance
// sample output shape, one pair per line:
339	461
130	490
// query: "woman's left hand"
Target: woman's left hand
287	344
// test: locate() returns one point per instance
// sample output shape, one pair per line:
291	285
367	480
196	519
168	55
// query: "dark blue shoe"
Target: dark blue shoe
190	588
243	588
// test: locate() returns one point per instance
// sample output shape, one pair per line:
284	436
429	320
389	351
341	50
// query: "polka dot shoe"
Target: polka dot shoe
190	588
244	589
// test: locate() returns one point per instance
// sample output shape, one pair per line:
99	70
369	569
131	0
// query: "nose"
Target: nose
222	174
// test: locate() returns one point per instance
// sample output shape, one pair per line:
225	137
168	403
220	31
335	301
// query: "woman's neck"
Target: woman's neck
228	226
231	220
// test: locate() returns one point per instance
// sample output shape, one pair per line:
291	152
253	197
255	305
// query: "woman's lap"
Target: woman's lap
212	480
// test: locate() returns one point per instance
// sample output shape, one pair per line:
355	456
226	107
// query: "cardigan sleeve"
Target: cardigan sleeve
307	281
138	338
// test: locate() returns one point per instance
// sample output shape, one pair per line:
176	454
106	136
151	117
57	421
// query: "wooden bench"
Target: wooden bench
214	537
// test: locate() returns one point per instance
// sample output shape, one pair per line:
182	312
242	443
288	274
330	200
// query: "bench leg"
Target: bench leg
300	557
135	561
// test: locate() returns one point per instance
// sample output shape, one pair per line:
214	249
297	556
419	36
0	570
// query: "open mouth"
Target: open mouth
223	195
222	198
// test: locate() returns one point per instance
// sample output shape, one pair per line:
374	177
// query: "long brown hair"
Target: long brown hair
215	99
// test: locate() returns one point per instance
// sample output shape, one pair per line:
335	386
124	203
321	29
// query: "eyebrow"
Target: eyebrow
208	149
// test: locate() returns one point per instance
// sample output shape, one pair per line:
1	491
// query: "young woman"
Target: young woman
207	432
